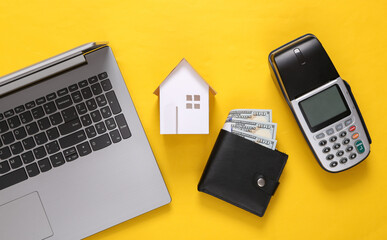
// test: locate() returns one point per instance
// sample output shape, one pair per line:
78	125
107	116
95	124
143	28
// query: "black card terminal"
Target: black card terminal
322	103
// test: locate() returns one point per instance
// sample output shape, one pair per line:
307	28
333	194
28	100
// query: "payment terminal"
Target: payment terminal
322	103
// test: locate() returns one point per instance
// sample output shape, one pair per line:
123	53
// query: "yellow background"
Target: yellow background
228	42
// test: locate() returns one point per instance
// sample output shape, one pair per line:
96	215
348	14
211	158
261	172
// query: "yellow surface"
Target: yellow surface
228	42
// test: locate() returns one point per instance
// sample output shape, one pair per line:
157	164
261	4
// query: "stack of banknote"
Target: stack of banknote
253	124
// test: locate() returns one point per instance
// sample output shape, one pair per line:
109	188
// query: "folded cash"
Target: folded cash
262	115
266	142
263	129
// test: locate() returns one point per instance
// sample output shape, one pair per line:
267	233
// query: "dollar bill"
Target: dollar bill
266	142
262	115
263	129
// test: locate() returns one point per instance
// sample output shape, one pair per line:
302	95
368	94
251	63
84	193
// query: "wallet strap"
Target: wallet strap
265	184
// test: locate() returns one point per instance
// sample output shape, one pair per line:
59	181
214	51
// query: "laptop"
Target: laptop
74	157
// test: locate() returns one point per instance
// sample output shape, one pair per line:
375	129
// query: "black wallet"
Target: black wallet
242	172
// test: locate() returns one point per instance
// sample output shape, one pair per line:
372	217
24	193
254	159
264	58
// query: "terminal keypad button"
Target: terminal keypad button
336	146
333	139
352	156
320	135
359	147
343	160
333	164
326	150
322	142
349	148
340	153
339	127
330	131
330	157
346	141
348	121
343	134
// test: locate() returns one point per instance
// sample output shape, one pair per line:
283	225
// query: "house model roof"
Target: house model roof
157	91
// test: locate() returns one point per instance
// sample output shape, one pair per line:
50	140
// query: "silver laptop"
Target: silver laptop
74	158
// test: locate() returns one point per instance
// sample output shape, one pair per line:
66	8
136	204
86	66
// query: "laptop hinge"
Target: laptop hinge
40	75
46	68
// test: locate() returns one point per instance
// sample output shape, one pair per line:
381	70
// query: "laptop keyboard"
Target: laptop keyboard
58	128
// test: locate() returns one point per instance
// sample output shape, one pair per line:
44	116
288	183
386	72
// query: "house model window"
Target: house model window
184	101
193	102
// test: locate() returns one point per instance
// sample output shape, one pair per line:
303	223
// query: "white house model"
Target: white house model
184	101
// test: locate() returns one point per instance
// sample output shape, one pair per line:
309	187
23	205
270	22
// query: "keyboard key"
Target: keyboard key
5	153
115	136
37	112
20	133
69	114
71	157
52	147
70	154
113	102
25	117
96	88
96	116
72	139
32	128
81	108
93	79
102	75
86	93
16	148
56	119
9	113
62	92
100	142
44	123
32	170
110	123
90	131
91	104
7	138
13	178
70	127
1	116
101	128
3	126
63	102
40	100
19	109
30	104
57	159
28	143
84	149
76	96
101	100
86	120
40	138
123	126
51	96
15	162
4	167
73	87
14	122
82	84
44	165
49	107
27	157
106	113
52	133
40	152
106	85
69	151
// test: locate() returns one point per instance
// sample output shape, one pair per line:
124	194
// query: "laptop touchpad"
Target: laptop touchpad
24	218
